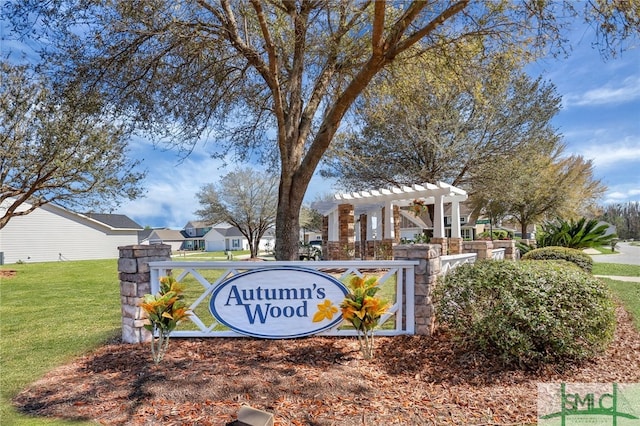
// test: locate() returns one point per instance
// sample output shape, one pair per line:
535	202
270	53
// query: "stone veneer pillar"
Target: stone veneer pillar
484	249
135	282
455	245
426	276
442	242
346	234
510	252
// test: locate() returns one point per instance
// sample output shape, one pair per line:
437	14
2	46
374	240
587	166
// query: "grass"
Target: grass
627	292
616	269
53	312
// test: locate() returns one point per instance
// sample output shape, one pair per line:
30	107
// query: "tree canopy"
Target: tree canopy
245	198
52	151
274	78
423	126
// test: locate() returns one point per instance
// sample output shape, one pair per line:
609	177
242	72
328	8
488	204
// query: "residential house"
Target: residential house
53	233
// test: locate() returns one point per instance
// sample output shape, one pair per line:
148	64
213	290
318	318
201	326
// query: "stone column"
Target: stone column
426	275
484	249
510	252
346	231
135	282
443	242
455	245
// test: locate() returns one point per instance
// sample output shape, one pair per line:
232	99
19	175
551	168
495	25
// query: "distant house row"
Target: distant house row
198	235
52	233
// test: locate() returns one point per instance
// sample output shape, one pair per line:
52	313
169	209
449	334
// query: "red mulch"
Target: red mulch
314	381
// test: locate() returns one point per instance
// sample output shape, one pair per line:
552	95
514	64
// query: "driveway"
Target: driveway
627	254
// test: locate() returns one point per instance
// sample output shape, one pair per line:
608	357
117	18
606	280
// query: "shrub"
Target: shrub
581	259
526	313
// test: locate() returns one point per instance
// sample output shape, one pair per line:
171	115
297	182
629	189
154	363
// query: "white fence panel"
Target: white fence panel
498	254
399	320
453	261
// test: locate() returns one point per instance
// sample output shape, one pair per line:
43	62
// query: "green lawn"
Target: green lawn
53	312
616	269
627	292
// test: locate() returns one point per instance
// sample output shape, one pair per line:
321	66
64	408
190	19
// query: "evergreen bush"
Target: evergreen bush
526	313
575	256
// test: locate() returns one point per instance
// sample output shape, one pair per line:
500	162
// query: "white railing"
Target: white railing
453	261
498	254
396	277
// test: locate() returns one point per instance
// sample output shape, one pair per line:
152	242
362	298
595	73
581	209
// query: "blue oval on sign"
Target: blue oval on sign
279	302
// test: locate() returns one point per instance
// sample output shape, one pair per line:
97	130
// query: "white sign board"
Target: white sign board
279	302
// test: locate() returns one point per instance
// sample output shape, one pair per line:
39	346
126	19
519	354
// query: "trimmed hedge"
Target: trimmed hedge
576	256
526	313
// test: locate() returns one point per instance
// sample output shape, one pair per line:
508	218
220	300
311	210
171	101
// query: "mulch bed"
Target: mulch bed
313	381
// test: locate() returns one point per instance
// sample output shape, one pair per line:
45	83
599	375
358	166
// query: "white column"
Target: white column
333	226
455	219
378	216
389	231
438	217
370	216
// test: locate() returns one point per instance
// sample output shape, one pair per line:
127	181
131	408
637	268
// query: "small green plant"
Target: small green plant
363	310
575	256
527	313
578	234
164	311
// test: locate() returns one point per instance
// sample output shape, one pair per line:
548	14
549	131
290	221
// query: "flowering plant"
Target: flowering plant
363	310
418	206
164	311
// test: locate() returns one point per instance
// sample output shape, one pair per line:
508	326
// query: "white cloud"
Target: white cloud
623	193
171	187
627	90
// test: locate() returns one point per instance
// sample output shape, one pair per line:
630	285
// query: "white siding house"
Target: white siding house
52	233
224	236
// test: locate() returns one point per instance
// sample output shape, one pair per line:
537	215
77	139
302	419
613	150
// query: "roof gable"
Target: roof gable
118	221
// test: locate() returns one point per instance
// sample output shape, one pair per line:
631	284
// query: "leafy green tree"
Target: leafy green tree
424	126
540	184
58	149
272	78
625	217
581	233
245	198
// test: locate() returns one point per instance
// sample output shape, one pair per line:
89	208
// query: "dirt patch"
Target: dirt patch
314	381
7	273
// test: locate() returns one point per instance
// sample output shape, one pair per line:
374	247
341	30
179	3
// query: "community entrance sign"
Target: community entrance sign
275	303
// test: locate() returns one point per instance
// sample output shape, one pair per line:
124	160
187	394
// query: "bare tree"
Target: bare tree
245	198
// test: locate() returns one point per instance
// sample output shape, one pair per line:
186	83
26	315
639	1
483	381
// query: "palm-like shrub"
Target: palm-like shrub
582	233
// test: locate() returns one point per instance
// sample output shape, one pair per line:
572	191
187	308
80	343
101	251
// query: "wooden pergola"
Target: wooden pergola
373	207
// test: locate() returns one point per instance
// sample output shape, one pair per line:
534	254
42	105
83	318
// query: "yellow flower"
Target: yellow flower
326	310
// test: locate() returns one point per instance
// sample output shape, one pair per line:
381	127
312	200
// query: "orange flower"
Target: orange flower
326	310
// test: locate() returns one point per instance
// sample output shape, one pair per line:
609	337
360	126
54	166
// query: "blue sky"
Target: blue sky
600	120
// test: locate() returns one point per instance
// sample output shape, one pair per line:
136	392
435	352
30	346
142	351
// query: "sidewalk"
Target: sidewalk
611	277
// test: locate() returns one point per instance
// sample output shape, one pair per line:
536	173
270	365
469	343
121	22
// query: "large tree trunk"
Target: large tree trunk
291	194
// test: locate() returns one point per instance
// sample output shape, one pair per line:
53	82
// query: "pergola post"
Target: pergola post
438	217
